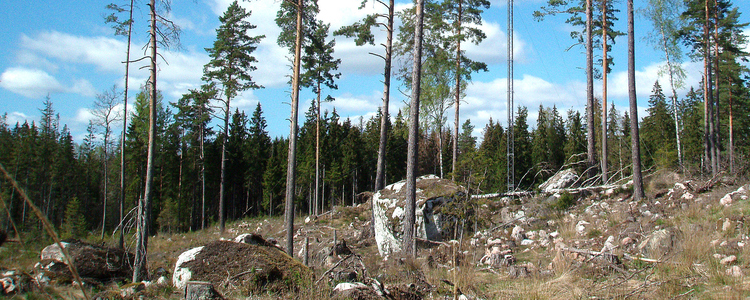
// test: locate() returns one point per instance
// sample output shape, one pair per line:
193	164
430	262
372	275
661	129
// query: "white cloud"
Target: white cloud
646	76
30	83
34	83
104	52
84	115
16	117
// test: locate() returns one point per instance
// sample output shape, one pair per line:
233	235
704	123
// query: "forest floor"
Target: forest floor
601	245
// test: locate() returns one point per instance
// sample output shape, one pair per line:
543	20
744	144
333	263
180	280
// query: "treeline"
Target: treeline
66	179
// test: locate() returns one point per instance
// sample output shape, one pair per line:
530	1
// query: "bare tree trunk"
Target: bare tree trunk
203	180
638	193
291	170
411	160
141	247
380	173
604	92
222	183
106	178
715	131
707	101
121	243
317	152
674	97
458	91
731	132
591	147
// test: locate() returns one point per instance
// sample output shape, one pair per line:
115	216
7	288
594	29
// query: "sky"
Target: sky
64	50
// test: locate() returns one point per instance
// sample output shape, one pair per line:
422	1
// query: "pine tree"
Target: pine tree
230	65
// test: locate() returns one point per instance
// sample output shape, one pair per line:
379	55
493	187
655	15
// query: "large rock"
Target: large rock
93	262
389	211
563	179
251	268
659	243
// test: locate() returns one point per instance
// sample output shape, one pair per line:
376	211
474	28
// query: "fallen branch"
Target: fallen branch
710	184
338	264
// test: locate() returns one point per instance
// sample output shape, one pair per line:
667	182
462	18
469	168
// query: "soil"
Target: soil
247	268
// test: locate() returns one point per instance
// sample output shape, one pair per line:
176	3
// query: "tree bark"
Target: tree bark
715	131
604	92
638	193
380	173
222	182
317	152
458	90
141	247
674	97
707	99
291	168
121	242
591	147
411	161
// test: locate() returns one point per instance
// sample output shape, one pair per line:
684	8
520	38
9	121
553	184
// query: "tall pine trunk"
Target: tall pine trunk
715	131
591	146
141	246
411	160
222	183
121	242
638	193
458	90
604	92
317	151
707	98
380	173
291	168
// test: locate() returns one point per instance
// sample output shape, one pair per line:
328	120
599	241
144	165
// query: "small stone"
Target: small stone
727	225
724	244
581	226
627	241
735	271
741	244
554	234
518	233
728	260
726	200
715	243
687	196
527	242
719	256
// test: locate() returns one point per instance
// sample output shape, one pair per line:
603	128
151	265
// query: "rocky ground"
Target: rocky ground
687	240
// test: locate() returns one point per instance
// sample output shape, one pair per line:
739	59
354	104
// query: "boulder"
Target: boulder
389	211
659	243
563	179
252	268
356	290
93	262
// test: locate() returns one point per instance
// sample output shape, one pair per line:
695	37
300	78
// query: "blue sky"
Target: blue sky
63	49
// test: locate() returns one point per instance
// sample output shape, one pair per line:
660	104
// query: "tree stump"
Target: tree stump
201	290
